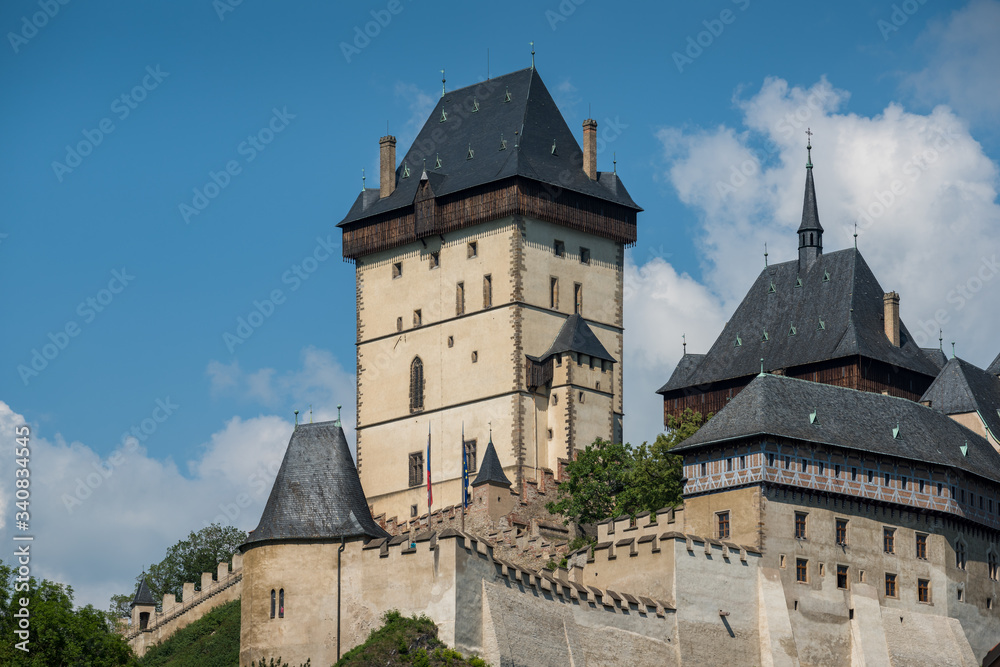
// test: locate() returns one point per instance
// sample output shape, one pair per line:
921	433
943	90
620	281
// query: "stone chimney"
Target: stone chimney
590	148
890	303
387	165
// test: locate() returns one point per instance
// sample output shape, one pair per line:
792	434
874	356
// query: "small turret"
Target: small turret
810	231
143	606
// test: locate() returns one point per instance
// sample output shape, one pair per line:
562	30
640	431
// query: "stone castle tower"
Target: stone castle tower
489	269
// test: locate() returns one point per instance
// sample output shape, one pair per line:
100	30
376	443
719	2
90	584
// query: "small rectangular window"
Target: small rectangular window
921	486
902	483
854	474
704	469
921	549
819	468
723	525
871	476
805	465
475	356
842	576
578	298
923	590
940	488
559	248
961	595
800	525
885	481
451	341
743	462
435	260
770	459
487	291
553	292
836	471
460	299
841	531
416	468
890	585
399	324
473	249
470	455
889	540
788	462
802	570
397	269
417	318
585	255
729	464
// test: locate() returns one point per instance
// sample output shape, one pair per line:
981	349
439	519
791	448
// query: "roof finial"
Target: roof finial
490	424
296	418
614	161
761	366
952	349
442	83
684	338
338	422
362	179
809	159
765	254
855	236
941	339
310	413
532	55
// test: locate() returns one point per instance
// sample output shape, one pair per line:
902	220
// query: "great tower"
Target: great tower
489	267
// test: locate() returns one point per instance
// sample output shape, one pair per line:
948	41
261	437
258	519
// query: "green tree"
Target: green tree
185	562
608	480
58	634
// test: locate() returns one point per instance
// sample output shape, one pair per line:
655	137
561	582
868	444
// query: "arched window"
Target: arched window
281	603
416	385
272	603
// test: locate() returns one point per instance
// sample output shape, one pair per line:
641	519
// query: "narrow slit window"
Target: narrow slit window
554	293
281	603
487	291
578	298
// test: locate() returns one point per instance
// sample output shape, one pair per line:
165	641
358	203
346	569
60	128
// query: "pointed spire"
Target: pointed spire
810	231
490	471
143	596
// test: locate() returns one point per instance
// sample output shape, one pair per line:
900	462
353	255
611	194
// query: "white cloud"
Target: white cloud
118	514
419	104
932	239
963	53
566	97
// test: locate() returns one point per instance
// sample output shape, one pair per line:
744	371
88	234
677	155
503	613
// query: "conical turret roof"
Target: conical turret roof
143	596
491	471
317	493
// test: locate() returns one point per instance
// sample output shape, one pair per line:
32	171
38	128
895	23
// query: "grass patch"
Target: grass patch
211	641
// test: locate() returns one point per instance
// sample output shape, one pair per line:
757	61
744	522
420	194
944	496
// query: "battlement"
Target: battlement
149	626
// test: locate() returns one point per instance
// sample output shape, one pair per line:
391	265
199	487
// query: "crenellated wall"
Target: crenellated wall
225	586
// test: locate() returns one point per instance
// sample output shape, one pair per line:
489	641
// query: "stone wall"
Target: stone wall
177	614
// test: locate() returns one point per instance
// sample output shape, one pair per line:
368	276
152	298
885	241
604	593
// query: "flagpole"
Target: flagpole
430	495
465	478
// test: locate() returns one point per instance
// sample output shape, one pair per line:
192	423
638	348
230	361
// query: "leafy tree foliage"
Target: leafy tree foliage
185	561
211	641
608	479
58	634
406	642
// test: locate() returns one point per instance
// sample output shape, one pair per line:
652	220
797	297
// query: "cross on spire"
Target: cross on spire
809	160
442	83
532	55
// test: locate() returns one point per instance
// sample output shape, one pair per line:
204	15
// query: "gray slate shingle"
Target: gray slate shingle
963	387
317	493
490	470
575	335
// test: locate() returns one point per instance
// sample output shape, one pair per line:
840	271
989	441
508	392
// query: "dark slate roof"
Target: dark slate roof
773	405
143	596
686	367
962	387
810	211
849	303
317	493
936	355
994	368
577	336
490	470
530	122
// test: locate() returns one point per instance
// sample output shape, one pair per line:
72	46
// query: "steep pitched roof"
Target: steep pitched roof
836	312
936	355
810	211
577	336
773	405
962	387
143	596
317	493
530	124
686	367
490	470
994	367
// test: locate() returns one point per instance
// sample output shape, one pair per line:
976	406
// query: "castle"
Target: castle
842	507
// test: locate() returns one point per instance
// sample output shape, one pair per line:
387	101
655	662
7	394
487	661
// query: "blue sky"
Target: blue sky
708	102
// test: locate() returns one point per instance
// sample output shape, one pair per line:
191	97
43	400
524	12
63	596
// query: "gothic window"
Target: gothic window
281	603
272	602
460	299
487	291
416	385
470	455
416	468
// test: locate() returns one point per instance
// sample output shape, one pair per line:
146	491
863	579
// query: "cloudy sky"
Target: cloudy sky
169	166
